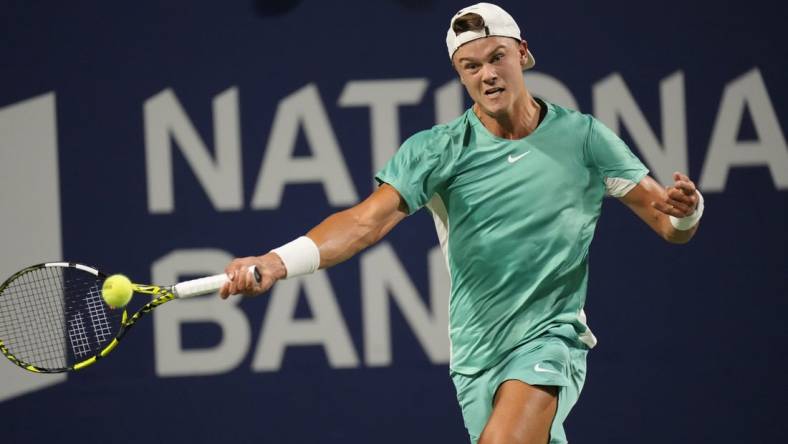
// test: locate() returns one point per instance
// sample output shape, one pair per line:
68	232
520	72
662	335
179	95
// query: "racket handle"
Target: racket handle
210	284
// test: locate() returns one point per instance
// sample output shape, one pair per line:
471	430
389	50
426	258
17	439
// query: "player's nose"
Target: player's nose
489	76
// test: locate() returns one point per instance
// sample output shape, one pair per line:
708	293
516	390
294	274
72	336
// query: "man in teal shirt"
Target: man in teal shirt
515	185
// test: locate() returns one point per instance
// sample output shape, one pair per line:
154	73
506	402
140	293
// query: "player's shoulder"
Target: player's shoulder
448	135
568	116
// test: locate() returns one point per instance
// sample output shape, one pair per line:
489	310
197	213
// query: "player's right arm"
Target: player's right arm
338	238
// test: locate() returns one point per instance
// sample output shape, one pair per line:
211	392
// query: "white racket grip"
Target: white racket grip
201	286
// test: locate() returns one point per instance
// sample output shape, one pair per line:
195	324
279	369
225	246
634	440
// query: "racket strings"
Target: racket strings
50	313
52	317
30	325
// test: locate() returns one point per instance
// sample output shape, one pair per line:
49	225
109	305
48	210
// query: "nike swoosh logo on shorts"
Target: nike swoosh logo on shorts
513	159
540	369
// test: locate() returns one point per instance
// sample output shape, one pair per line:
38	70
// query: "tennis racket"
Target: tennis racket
53	318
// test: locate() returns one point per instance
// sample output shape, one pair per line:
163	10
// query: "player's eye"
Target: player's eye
471	66
497	57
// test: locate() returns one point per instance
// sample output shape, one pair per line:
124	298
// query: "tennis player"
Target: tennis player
515	185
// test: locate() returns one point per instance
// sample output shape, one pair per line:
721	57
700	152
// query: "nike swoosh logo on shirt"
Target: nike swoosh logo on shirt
540	369
513	159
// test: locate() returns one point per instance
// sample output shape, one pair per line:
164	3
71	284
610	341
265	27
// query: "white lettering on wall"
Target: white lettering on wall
30	202
383	279
220	175
326	327
303	109
726	152
383	97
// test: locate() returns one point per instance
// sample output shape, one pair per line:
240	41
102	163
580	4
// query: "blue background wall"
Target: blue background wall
692	338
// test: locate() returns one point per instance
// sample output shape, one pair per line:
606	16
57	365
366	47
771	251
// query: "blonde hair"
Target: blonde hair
468	22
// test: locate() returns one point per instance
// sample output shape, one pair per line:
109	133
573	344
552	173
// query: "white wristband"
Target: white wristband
685	223
300	257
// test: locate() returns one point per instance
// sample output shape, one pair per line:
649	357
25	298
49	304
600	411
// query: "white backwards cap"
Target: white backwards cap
497	22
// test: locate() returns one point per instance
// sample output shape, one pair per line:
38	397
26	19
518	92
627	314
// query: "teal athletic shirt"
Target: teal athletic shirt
515	219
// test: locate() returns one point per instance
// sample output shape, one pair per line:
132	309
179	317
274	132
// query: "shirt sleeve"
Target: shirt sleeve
620	169
419	168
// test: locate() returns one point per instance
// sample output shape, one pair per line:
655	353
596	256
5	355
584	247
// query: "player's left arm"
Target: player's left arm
655	205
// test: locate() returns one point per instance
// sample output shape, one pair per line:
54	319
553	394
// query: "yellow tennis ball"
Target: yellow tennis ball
117	291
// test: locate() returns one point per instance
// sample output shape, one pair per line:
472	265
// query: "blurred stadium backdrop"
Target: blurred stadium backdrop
160	139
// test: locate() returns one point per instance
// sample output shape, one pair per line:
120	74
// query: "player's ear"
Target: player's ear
523	49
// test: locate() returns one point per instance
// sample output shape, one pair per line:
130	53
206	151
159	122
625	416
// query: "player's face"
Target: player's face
492	71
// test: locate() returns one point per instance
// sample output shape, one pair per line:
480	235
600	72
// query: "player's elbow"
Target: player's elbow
675	240
678	237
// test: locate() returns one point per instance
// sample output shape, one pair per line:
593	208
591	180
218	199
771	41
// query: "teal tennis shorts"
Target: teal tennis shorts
547	360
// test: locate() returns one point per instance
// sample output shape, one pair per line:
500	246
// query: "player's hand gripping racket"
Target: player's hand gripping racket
53	318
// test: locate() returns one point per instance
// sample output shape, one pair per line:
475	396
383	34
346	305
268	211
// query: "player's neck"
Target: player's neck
521	121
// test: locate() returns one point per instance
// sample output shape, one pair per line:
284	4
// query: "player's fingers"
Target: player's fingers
259	285
249	282
661	206
685	186
683	182
680	196
244	281
232	275
691	200
224	292
666	208
240	266
683	209
692	189
232	268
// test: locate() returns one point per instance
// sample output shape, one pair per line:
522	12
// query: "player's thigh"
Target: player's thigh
522	414
547	361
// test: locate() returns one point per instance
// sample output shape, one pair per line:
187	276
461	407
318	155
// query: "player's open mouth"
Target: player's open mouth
493	92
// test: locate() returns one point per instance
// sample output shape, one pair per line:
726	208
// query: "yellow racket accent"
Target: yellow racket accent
85	363
109	348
